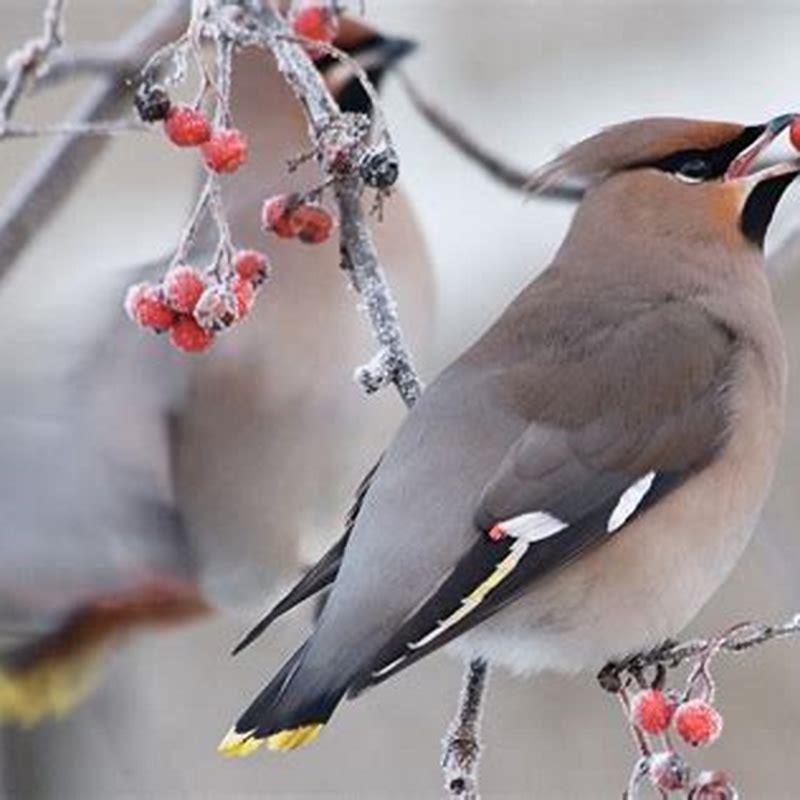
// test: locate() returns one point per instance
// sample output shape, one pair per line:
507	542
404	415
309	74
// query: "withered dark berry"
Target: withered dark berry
380	168
152	102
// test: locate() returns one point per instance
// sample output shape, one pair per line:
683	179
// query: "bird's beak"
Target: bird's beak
739	167
395	49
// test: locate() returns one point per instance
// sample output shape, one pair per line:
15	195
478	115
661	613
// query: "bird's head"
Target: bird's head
376	53
682	165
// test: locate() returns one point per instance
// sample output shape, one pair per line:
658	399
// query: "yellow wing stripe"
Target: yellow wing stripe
239	745
503	569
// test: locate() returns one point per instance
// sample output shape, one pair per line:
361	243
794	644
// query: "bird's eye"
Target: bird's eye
694	170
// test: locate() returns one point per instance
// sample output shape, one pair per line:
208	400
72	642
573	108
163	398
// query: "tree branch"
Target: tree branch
513	177
359	256
103	60
672	654
461	746
53	178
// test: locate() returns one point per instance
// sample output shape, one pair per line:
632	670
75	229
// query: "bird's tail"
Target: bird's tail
48	687
289	713
48	675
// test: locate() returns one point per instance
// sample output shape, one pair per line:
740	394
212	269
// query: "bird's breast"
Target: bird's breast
647	583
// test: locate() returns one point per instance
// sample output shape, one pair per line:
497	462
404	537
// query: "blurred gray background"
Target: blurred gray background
525	77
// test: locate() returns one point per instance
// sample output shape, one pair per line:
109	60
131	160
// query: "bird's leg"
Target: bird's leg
461	745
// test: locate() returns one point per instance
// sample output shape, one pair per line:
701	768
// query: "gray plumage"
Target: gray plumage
630	398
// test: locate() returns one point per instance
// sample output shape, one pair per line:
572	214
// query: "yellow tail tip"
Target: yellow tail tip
239	745
48	688
294	737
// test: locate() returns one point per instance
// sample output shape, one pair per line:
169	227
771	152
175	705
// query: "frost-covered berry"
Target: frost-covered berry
183	286
188	336
318	22
252	266
245	296
145	305
216	308
187	127
698	722
277	215
668	771
713	786
314	223
152	102
652	710
225	151
131	300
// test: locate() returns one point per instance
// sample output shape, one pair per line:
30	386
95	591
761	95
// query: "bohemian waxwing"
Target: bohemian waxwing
139	480
578	483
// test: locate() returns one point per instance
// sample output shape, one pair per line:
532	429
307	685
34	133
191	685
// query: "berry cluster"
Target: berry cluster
194	307
223	149
697	723
290	216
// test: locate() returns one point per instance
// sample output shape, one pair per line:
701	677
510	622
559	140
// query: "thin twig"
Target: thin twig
513	177
461	746
110	128
65	63
52	179
24	62
672	654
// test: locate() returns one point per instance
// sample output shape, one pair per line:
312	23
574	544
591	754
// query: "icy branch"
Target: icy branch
461	746
359	255
671	654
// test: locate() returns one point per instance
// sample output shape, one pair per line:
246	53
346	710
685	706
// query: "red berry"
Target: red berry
698	722
188	336
252	266
277	216
652	710
187	127
318	22
794	133
245	296
216	308
668	771
315	223
132	296
226	150
182	288
145	305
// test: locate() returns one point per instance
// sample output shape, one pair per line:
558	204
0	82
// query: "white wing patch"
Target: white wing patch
532	527
630	500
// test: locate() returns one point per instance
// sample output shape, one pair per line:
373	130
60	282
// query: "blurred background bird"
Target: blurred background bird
151	730
153	488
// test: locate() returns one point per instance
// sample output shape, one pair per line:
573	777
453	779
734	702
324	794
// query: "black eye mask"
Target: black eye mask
703	165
